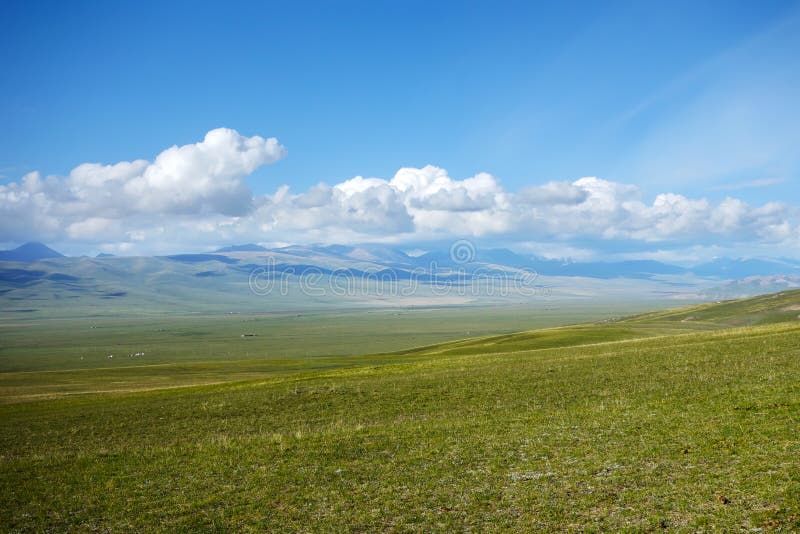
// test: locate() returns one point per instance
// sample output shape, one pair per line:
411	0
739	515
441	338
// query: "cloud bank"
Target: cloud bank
196	196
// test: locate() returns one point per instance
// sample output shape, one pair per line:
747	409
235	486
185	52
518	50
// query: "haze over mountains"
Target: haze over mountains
37	279
29	252
387	256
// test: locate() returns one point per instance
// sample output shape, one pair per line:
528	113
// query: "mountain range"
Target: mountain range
37	279
723	268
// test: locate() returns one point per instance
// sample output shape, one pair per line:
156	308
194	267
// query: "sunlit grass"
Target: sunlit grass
689	429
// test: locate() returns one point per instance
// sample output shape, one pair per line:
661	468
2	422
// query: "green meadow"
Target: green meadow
480	419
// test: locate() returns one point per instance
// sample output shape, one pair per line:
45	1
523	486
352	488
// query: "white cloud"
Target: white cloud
95	229
98	201
195	197
553	193
205	176
431	189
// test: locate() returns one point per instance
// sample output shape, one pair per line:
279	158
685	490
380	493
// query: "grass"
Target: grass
639	424
84	343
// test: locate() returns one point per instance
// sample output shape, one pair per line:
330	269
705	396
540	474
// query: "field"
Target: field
683	419
46	357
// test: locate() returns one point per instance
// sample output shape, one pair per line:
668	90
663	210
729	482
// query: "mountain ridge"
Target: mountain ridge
29	252
394	258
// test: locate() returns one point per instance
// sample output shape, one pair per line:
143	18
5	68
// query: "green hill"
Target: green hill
764	309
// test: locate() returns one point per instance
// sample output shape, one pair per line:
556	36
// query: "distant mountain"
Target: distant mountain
621	269
369	252
372	253
719	268
505	258
199	258
104	255
754	285
743	268
385	256
29	252
298	250
502	257
250	247
374	274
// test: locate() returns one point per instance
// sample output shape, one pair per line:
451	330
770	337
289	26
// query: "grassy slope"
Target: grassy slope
764	309
691	430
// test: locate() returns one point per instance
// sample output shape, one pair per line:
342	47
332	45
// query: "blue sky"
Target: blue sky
697	99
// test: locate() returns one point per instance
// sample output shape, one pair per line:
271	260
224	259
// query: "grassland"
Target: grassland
46	357
684	419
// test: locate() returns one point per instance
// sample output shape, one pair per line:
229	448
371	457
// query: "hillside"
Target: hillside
763	309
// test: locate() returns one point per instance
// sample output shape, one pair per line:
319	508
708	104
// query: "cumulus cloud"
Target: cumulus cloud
553	193
96	201
195	196
362	206
206	176
615	211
